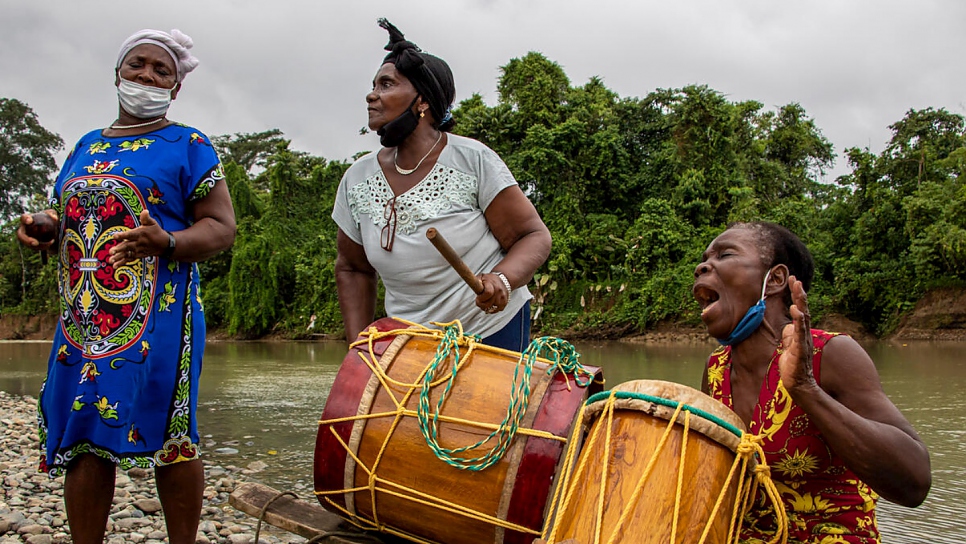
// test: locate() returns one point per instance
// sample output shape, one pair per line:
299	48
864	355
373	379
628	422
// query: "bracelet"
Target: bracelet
506	282
169	251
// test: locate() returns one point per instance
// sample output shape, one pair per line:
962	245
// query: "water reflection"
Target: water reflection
264	400
925	380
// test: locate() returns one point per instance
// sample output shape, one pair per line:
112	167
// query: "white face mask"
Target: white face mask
142	101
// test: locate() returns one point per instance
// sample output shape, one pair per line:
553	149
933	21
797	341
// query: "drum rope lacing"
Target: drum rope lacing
564	357
451	338
748	450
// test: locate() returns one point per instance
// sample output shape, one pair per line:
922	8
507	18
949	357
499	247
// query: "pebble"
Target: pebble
148	506
32	504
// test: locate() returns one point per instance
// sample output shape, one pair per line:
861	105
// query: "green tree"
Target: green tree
280	262
534	87
936	222
632	189
26	156
906	219
249	149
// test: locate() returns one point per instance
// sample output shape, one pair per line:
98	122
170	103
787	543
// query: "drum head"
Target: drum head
659	399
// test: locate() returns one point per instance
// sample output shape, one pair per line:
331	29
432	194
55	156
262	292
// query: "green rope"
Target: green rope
562	354
564	357
604	395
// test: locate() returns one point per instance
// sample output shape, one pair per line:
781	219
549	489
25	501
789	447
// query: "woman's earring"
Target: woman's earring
422	114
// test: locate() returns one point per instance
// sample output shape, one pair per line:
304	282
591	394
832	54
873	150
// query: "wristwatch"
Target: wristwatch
171	243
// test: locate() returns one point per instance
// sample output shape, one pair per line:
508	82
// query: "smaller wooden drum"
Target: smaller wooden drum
646	476
378	466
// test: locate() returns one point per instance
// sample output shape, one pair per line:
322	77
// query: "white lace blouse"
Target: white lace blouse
420	285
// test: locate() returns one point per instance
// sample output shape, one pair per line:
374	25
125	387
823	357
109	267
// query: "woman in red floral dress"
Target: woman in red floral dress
833	439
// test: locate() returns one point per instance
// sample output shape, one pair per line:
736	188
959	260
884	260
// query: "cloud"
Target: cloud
305	66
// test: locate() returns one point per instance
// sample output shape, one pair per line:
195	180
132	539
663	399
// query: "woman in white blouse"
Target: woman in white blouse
426	177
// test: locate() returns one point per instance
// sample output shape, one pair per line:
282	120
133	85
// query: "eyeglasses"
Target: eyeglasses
388	236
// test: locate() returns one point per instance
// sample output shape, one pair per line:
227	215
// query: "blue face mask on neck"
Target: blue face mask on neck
750	322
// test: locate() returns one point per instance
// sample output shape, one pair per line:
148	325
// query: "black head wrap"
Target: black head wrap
430	75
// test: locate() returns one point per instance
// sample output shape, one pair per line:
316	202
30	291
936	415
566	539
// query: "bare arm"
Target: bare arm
212	232
852	411
355	280
525	239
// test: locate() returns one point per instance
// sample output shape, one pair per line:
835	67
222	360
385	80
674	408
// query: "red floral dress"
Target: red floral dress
825	501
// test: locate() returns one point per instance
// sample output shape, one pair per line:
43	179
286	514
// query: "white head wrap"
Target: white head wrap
176	44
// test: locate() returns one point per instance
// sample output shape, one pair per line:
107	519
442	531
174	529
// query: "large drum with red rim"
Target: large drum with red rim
409	446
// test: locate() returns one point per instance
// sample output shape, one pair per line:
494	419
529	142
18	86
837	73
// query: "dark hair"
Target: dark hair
782	246
430	75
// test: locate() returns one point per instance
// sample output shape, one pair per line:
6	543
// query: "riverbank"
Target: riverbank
32	504
939	316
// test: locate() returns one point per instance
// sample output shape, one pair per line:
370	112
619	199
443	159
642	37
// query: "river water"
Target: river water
262	401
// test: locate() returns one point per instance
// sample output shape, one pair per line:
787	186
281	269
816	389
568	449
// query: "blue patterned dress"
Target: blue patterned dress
122	379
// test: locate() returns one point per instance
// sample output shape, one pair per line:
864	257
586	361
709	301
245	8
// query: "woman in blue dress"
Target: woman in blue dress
138	203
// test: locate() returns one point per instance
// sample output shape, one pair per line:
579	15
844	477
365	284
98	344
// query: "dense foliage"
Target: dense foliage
26	156
633	190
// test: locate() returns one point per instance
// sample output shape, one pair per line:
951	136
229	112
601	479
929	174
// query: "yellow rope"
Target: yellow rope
385	444
563	481
372	335
763	477
605	470
577	471
680	486
651	463
737	512
449	419
721	496
420	498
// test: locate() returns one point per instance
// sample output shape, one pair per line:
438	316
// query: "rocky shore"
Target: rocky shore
32	504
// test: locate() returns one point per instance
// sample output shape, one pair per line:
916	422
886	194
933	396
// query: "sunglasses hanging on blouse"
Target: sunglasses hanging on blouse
388	236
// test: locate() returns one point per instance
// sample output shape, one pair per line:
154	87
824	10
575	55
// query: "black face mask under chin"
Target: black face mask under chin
394	132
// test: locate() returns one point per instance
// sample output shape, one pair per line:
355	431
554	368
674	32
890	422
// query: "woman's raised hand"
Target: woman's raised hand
795	364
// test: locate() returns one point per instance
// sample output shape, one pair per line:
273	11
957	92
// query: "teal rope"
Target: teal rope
565	358
604	395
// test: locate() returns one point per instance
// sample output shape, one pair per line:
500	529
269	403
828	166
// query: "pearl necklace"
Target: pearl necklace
139	125
407	171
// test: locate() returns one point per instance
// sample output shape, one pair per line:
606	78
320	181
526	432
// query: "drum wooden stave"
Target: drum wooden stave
642	505
416	494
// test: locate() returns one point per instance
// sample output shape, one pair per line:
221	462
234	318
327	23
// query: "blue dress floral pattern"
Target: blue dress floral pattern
122	378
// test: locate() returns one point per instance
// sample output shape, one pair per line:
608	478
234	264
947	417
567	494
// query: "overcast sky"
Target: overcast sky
305	66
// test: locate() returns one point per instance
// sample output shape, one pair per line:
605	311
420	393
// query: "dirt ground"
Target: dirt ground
940	315
18	327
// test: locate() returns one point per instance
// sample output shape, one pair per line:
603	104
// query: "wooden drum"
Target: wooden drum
378	467
646	476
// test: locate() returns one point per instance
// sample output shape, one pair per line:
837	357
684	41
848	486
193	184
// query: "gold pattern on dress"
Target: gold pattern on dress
101	167
87	301
90	228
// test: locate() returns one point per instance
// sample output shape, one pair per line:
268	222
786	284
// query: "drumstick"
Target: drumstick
454	260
